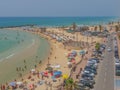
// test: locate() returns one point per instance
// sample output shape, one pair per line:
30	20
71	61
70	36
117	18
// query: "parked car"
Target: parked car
80	86
87	77
92	71
94	59
87	83
109	49
88	72
91	67
117	70
87	80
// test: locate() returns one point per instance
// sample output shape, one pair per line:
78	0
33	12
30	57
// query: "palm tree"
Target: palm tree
74	26
116	28
95	28
69	85
100	27
112	22
97	46
118	22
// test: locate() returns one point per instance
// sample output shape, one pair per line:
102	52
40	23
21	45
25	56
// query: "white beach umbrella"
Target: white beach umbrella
19	83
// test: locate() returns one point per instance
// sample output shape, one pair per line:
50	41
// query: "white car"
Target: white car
109	49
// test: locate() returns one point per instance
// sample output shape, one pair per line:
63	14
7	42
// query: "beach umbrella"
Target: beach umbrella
74	52
53	78
65	76
70	57
30	86
57	73
57	66
12	84
82	52
45	73
68	63
49	68
19	83
32	70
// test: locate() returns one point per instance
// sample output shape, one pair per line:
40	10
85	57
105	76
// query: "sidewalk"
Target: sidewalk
81	65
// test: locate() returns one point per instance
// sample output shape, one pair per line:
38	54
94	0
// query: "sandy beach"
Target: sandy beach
58	56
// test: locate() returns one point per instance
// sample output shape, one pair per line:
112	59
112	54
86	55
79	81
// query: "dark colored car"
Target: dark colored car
91	70
117	70
80	86
96	59
88	84
91	67
87	80
87	75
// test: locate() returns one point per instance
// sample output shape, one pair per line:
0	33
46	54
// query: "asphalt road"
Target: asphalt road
105	77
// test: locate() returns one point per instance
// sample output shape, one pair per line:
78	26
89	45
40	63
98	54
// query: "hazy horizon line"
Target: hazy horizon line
59	16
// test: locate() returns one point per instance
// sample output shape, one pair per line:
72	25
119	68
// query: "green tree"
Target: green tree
97	46
69	85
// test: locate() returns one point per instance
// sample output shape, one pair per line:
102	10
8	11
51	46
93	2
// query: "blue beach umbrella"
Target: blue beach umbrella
12	84
74	52
57	73
82	52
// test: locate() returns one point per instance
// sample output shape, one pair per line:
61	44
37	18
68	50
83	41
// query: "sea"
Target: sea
55	21
12	43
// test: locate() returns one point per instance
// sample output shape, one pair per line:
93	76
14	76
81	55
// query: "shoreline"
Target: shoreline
27	54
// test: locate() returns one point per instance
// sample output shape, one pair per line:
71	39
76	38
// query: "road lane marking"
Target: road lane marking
104	79
105	74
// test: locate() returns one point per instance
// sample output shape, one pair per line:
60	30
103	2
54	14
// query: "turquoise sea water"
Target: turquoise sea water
54	21
11	43
10	39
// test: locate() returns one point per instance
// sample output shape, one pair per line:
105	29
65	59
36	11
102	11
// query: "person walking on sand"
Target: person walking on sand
24	61
55	57
3	88
25	67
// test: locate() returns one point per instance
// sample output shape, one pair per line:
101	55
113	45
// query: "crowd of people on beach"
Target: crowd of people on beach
51	75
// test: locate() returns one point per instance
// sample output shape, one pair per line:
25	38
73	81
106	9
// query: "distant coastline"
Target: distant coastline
9	22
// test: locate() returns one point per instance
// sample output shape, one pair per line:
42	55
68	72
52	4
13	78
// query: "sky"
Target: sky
31	8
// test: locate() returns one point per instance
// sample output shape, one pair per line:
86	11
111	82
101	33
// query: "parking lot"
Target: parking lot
88	75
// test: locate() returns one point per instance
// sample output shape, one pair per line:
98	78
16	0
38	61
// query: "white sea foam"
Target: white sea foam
7	57
33	42
10	56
